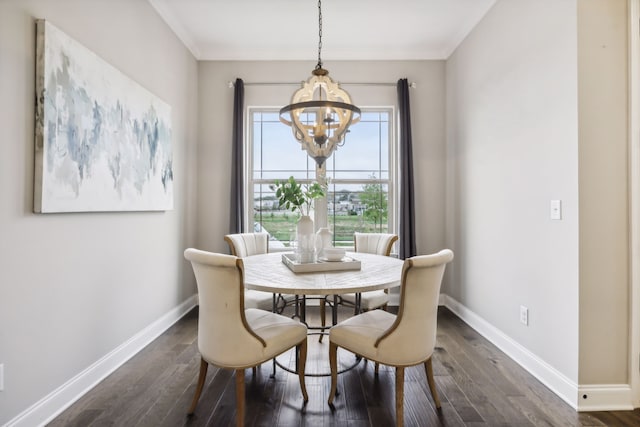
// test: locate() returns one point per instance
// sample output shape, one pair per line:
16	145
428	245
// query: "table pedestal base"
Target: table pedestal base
300	313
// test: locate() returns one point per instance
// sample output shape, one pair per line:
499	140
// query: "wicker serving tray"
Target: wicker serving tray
347	263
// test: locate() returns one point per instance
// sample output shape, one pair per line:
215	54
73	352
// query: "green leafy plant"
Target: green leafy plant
297	197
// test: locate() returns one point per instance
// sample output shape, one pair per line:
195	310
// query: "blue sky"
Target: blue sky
364	153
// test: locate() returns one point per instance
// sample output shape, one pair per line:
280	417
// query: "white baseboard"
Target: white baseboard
605	397
60	399
562	386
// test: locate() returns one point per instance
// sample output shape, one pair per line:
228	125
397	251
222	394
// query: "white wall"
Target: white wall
215	108
512	147
73	287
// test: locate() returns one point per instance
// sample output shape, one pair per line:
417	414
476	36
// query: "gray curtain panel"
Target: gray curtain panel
407	231
237	182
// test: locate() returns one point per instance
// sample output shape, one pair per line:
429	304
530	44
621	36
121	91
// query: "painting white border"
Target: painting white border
102	141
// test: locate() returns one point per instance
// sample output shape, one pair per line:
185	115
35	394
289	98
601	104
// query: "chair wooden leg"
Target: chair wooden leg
240	397
376	368
323	311
203	375
399	396
432	384
333	363
302	361
254	370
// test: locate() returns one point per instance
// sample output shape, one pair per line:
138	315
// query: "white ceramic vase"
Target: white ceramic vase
324	239
306	240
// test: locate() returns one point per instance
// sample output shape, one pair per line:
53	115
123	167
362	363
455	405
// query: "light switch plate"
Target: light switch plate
524	315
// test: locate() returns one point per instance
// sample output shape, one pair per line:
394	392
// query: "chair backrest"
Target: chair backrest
374	243
247	244
411	339
224	337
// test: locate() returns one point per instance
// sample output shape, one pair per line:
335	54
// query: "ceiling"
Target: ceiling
351	29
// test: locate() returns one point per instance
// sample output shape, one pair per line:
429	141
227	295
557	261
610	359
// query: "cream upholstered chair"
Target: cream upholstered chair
401	340
372	243
231	337
246	244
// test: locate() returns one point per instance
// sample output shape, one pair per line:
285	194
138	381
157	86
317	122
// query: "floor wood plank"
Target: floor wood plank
477	383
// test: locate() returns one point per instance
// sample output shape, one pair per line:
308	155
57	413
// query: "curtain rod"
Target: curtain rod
231	84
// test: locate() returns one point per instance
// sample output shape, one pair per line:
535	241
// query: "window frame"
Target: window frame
393	184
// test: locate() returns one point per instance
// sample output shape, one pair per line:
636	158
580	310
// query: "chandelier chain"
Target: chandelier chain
319	66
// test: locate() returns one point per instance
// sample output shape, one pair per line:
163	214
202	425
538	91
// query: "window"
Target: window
362	185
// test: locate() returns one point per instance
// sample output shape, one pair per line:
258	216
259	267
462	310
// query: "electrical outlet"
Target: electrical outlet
524	315
1	376
555	209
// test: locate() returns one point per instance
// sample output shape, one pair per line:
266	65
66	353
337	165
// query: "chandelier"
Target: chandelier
320	112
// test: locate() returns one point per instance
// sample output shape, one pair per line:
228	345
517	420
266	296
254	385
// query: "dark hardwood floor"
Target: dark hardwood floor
477	383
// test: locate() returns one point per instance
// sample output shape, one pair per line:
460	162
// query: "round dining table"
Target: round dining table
268	273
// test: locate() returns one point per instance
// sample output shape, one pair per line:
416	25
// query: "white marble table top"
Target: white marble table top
267	273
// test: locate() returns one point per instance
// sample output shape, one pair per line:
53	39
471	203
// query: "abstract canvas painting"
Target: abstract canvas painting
103	142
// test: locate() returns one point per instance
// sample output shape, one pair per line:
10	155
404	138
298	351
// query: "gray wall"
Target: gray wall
537	110
73	287
513	146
